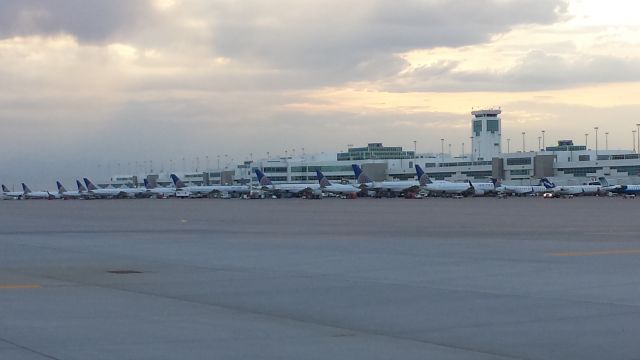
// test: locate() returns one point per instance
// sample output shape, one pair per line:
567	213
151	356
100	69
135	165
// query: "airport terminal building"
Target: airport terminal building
566	162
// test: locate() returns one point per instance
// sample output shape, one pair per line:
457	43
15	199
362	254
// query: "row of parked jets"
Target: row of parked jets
363	184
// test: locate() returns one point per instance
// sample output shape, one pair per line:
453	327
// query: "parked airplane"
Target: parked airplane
67	194
28	194
442	187
112	192
208	189
159	191
287	188
619	189
519	190
572	189
11	194
399	186
328	186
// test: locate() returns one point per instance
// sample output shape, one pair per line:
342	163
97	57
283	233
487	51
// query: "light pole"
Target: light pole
544	145
596	129
539	142
606	140
634	141
442	150
638	132
463	149
586	140
415	151
523	147
508	145
449	149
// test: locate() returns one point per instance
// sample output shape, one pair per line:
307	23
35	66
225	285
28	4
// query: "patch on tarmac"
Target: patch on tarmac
122	272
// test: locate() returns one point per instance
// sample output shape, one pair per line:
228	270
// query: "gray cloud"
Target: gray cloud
337	40
537	70
88	20
82	107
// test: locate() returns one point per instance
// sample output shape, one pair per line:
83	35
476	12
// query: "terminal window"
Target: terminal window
477	127
519	161
493	126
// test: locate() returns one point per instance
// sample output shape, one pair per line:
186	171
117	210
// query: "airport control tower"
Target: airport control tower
486	128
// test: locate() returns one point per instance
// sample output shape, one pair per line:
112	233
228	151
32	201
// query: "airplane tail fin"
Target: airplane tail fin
146	184
81	187
496	182
89	184
61	188
361	176
603	181
262	178
324	182
25	188
472	189
547	183
177	182
4	188
423	178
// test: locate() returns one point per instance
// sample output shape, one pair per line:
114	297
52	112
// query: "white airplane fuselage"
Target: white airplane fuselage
395	186
208	189
73	194
292	187
39	195
340	189
112	192
442	187
578	190
522	189
13	194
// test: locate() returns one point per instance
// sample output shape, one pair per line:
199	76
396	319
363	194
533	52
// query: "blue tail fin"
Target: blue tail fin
496	183
177	182
146	183
81	187
263	179
324	182
61	188
25	188
547	184
423	178
603	181
89	184
4	188
361	176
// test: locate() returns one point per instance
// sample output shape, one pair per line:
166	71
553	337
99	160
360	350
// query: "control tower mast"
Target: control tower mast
486	131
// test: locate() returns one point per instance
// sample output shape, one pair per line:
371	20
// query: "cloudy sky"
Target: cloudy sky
90	84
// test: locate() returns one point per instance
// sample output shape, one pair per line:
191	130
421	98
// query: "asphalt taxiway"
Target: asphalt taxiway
330	279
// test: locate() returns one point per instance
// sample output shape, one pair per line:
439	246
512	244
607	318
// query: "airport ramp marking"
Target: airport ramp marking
596	252
19	286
